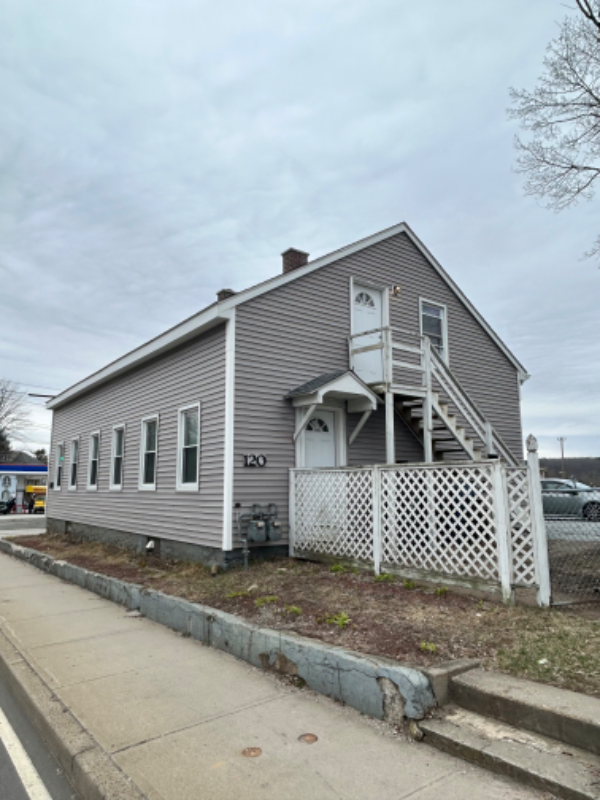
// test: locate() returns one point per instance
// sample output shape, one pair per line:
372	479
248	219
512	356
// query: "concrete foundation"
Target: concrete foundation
164	548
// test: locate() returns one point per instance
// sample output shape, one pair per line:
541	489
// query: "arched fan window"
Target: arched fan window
317	425
364	299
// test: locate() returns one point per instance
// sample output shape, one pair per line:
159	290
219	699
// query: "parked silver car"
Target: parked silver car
570	498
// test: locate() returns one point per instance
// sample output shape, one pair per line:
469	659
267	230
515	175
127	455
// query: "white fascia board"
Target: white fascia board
219	311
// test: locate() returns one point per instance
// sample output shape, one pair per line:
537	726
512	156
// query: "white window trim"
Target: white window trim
73	487
341	449
91	488
180	486
147	487
117	487
446	356
57	488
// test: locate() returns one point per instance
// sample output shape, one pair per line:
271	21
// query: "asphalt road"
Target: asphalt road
27	769
26	524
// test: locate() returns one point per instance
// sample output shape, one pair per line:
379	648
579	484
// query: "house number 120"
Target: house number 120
251	460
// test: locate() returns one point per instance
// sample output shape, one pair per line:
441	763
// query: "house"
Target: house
370	354
18	472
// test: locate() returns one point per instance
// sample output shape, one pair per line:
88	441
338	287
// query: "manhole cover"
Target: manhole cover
308	738
252	752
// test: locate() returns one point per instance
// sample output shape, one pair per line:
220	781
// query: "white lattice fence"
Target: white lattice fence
463	521
440	520
334	513
521	527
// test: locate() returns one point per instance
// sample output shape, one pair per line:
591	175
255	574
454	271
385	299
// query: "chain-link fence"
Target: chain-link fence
572	515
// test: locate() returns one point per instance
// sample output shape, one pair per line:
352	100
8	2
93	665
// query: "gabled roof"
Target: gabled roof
219	312
315	383
341	385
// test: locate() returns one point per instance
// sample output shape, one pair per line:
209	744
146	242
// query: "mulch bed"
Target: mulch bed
415	625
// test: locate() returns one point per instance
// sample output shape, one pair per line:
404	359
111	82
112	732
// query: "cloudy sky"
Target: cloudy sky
154	151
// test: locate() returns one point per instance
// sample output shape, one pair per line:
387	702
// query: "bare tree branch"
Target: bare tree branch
560	157
14	414
588	11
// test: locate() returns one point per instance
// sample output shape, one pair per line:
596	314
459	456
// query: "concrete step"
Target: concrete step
566	716
535	760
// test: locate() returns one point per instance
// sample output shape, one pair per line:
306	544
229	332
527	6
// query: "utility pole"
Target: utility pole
562	440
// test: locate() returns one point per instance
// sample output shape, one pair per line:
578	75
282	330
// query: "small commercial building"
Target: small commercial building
20	474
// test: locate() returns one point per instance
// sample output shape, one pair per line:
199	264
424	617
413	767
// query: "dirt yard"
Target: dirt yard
385	616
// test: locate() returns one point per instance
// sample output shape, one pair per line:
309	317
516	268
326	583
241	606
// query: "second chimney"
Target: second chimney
292	259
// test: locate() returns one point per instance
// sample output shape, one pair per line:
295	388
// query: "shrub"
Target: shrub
337	568
428	647
441	591
293	610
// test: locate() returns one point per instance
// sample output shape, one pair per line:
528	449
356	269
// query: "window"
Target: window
433	325
118	451
93	465
364	299
74	462
317	425
60	460
189	446
148	453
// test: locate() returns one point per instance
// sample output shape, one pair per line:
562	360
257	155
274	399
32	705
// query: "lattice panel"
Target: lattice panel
334	513
521	535
441	520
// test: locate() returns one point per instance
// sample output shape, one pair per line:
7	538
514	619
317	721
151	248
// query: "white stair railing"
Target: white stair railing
494	444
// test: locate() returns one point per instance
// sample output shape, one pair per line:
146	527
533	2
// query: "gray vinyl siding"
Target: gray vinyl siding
194	372
369	446
297	331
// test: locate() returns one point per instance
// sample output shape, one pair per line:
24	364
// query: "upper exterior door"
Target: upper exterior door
319	440
367	315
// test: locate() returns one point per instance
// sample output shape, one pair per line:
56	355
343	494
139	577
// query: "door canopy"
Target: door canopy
334	386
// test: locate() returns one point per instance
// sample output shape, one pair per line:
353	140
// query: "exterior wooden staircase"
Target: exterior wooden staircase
459	430
449	439
430	399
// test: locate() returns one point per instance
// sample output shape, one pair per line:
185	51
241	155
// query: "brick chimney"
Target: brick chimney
223	294
292	259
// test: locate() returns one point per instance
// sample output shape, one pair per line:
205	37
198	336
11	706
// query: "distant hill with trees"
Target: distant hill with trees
586	470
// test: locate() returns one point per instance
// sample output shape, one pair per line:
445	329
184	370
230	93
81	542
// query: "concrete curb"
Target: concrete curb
92	772
375	686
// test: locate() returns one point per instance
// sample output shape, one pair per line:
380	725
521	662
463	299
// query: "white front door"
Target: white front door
319	440
367	314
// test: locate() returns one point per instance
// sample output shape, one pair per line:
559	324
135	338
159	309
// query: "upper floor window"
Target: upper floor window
188	447
93	464
74	463
148	453
433	325
58	467
118	454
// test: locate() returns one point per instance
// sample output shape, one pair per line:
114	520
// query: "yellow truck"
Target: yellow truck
39	493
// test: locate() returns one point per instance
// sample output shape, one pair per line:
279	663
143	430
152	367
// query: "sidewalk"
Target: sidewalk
175	716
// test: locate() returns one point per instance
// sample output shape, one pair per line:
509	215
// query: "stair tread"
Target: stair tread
537	760
505	694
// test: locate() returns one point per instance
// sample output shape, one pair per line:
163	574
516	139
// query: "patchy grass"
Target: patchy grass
390	618
341	619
